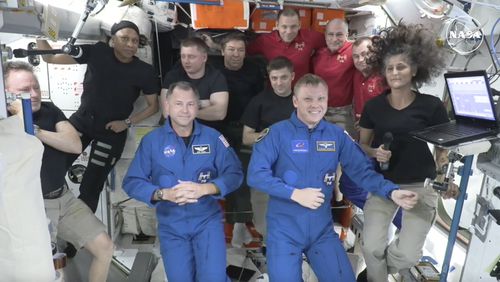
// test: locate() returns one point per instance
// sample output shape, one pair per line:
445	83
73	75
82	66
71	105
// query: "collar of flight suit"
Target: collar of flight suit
299	124
196	127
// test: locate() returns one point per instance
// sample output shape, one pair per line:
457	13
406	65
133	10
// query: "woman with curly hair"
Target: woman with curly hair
407	56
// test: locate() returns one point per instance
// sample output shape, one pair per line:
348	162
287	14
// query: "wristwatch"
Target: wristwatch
128	122
159	195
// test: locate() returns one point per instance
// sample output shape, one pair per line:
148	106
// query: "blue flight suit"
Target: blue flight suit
191	236
292	156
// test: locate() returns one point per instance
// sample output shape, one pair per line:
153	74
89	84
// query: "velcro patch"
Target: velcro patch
200	149
325	146
300	146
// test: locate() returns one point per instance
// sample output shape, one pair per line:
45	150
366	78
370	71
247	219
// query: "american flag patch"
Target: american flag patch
223	140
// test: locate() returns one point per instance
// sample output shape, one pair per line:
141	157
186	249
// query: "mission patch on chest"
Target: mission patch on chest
325	146
201	149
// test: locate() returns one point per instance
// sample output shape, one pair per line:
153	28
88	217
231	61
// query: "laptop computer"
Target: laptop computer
473	108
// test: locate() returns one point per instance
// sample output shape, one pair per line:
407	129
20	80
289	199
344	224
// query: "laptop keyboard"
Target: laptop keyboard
461	130
452	134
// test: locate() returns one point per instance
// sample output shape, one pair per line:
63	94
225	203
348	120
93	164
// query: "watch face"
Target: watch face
159	194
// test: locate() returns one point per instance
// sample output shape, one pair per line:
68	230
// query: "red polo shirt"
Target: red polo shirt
337	70
298	51
365	89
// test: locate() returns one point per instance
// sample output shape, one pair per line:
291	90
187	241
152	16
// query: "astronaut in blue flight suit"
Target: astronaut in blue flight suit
295	162
182	169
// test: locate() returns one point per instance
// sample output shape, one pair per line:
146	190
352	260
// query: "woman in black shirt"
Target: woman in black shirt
407	56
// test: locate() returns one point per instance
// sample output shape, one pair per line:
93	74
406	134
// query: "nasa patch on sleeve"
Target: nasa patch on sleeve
200	149
325	146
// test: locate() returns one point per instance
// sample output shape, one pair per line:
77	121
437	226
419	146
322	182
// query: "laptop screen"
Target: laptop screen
470	96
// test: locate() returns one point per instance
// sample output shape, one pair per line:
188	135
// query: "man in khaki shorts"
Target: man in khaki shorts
71	219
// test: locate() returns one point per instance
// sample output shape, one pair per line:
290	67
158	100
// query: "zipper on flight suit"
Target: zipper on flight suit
184	156
309	155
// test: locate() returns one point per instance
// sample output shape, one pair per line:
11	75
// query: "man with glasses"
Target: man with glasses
113	81
335	65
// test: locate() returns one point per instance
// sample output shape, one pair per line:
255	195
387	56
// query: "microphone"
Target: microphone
20	53
387	140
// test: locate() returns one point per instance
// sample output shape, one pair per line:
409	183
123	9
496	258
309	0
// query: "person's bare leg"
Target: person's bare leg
101	249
